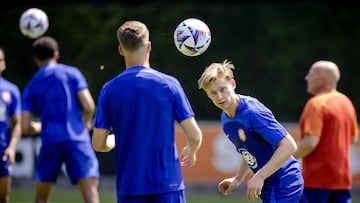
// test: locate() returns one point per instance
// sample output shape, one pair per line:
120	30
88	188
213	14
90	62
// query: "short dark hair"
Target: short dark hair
45	47
132	35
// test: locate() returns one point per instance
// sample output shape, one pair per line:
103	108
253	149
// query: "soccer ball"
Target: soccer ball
33	23
192	37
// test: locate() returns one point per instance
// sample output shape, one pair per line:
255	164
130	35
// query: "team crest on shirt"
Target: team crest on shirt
241	135
6	96
249	158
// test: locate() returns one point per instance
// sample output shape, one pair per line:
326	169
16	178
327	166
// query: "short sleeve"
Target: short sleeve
311	121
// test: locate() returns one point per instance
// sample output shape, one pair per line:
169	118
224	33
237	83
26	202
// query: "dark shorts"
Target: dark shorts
79	158
313	195
5	169
170	197
283	195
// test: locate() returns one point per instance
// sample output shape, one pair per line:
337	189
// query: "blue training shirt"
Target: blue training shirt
141	105
255	133
52	94
10	104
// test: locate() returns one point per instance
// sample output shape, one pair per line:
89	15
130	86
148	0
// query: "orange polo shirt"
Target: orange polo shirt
331	116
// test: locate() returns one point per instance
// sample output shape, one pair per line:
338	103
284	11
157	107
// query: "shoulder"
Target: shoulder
252	103
165	78
68	68
6	84
164	75
319	101
255	109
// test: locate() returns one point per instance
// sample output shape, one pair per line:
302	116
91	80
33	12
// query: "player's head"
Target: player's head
133	36
322	76
2	60
45	48
215	72
219	85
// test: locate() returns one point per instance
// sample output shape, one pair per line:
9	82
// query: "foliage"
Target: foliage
271	44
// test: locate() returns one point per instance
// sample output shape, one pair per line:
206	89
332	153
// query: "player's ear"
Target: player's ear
57	55
121	52
233	83
148	47
37	61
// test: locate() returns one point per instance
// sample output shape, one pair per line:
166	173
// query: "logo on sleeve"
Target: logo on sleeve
249	158
6	96
241	135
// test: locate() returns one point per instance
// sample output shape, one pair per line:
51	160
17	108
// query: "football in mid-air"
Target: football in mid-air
33	23
192	37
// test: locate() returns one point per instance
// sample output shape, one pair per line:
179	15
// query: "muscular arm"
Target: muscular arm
28	126
194	139
242	171
88	106
15	135
355	138
227	185
285	149
102	141
306	146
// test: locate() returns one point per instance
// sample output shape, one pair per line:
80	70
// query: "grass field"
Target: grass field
73	196
26	196
64	192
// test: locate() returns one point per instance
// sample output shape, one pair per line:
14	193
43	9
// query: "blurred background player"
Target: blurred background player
59	95
328	126
266	147
141	105
10	129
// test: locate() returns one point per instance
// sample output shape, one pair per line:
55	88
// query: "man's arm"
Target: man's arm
102	141
28	126
285	149
306	146
193	138
88	106
15	135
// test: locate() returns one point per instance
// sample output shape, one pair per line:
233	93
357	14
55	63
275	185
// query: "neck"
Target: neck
231	111
137	60
326	89
45	62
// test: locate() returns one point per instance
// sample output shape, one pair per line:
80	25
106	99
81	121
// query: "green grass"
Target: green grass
72	195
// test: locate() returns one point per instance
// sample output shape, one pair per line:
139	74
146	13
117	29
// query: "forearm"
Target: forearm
102	141
303	150
355	139
306	146
193	134
87	118
28	126
34	128
15	136
242	171
88	106
15	132
285	149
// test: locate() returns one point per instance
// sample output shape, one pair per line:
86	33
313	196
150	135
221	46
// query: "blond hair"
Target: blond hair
216	71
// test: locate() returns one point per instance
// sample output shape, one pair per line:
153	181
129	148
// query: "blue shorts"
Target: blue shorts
283	195
170	197
79	158
285	190
313	195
